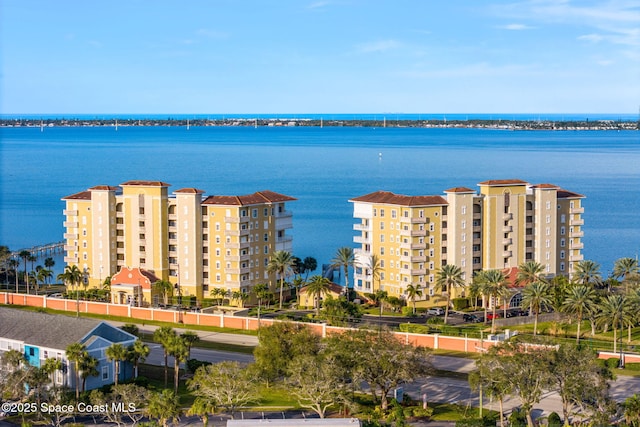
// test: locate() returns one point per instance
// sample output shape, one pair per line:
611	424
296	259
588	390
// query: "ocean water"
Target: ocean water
323	168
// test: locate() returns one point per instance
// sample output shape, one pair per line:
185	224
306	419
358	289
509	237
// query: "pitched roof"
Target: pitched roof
500	182
389	198
565	194
105	187
83	195
42	329
189	191
147	183
260	197
459	190
546	186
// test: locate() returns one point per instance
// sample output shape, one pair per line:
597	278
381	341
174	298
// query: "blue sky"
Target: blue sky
333	56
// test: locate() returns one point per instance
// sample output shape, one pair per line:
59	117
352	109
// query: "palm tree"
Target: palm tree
5	253
345	258
579	301
117	353
88	366
72	276
317	287
179	349
375	269
32	259
536	296
218	294
413	292
164	336
14	263
138	352
380	297
165	289
529	272
202	407
448	277
493	285
50	366
281	263
164	406
76	352
624	268
190	338
49	262
309	264
586	272
615	310
25	254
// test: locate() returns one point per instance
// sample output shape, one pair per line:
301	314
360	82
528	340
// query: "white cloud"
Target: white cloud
378	46
591	37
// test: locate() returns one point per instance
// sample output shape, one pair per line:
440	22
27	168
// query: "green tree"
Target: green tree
165	289
163	336
317	382
318	286
587	272
226	385
345	259
116	353
380	360
632	410
131	329
494	286
448	277
579	301
190	338
202	408
536	296
14	264
180	351
529	272
281	264
138	352
615	311
626	269
72	277
25	255
50	366
309	264
281	343
261	291
414	292
375	270
164	406
89	368
491	378
339	311
76	352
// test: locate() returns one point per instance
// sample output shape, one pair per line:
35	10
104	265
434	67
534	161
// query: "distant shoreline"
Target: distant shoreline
284	122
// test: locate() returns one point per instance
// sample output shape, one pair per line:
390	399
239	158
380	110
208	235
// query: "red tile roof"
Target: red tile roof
83	195
459	190
189	191
499	182
104	187
546	186
564	194
134	276
389	198
147	183
258	198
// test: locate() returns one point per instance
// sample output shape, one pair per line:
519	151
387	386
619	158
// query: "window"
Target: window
382	226
432	227
381	213
562	231
382	238
394	213
548	205
254	213
464	210
105	373
375	212
563	218
561	254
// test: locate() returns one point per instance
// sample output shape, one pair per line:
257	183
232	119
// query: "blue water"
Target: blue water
323	168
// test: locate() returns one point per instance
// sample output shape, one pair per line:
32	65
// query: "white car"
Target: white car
436	311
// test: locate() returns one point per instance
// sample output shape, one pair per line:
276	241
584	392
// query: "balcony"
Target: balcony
477	241
284	222
237	220
284	214
577	246
477	215
70	224
68	248
413	220
418	272
578	257
576	210
507	216
71	259
361	239
576	222
506	254
507	241
507	229
69	212
576	234
70	236
418	258
119	226
361	227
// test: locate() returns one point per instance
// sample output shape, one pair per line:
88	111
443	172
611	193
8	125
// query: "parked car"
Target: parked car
490	316
515	312
436	311
473	318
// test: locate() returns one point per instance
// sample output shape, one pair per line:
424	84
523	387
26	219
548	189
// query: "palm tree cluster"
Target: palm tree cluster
32	279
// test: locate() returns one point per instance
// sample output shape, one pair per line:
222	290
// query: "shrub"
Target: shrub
413	328
612	362
435	320
420	412
194	364
460	303
408	312
518	418
485	421
141	381
554	420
